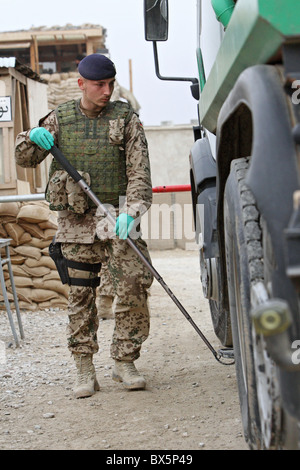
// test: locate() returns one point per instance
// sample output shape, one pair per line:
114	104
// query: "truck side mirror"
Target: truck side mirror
156	20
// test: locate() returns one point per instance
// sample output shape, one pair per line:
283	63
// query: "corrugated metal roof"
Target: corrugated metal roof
7	61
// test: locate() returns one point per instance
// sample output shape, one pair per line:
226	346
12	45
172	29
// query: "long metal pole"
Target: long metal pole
157	276
78	179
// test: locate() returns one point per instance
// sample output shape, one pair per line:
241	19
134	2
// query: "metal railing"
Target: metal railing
23	198
41	196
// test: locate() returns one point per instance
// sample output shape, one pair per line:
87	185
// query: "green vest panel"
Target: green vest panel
96	146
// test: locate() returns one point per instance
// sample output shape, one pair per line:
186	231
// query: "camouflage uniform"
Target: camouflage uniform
88	238
105	295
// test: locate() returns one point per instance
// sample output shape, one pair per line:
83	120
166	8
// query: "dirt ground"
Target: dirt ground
190	403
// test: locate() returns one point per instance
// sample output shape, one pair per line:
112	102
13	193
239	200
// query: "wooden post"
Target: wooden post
34	55
89	47
130	75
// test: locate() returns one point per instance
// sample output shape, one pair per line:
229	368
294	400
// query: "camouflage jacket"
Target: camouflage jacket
74	228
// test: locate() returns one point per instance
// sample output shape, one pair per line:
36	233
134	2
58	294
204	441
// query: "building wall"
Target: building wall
28	104
169	222
169	148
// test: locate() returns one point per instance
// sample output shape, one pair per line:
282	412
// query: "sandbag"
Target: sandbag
33	213
9	296
3	232
49	233
17	234
43	261
57	302
32	306
22	293
35	295
53	275
50	223
36	272
16	269
21	281
41	244
17	259
32	228
28	251
9	208
14	231
52	285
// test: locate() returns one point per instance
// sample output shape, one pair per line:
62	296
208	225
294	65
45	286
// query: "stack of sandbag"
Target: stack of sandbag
62	87
31	227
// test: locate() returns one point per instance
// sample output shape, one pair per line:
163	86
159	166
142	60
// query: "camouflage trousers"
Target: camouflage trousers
130	281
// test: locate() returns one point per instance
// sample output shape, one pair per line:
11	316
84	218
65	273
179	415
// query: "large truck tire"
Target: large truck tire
238	277
256	373
255	207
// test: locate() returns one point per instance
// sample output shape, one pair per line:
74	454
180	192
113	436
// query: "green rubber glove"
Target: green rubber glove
42	137
123	225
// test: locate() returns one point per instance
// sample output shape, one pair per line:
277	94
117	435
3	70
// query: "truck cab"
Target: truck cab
245	184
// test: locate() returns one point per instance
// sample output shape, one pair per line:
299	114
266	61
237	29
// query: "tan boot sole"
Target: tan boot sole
130	386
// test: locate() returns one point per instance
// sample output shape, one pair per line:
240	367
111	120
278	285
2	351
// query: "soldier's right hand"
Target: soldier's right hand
42	137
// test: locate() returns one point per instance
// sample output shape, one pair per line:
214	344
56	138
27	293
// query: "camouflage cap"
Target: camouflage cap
96	67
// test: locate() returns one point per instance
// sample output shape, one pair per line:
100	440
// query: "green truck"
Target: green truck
245	186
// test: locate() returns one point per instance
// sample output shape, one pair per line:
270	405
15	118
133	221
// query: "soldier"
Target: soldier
104	141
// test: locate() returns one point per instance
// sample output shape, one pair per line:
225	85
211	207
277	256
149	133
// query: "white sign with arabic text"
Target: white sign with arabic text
5	109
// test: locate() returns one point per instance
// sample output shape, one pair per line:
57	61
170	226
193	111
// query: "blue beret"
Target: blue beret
96	67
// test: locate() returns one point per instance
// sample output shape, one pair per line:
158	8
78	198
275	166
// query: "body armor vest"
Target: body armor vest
96	146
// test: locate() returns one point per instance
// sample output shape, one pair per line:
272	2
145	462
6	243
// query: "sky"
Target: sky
124	23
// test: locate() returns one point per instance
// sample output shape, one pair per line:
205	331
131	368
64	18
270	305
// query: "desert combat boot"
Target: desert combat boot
87	383
127	373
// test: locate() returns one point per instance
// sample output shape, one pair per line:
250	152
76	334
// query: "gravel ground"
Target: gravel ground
190	402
